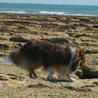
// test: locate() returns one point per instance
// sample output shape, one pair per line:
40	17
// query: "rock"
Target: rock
3	79
88	28
95	26
64	27
18	39
79	35
22	28
85	20
4	46
96	83
89	73
92	51
82	25
11	33
58	40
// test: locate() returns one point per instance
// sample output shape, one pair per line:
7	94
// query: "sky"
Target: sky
70	2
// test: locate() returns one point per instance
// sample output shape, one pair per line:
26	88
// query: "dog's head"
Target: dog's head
82	56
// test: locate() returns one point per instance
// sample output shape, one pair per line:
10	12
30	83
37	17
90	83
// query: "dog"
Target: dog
65	59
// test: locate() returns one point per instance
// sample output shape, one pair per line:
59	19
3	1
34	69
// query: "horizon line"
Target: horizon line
49	4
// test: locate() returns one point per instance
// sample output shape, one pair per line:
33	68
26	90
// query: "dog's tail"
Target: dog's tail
21	59
15	56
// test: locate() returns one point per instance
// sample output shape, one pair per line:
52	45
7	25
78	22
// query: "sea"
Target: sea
49	9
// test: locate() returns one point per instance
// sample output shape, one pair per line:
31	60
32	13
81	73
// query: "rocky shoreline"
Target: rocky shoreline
17	29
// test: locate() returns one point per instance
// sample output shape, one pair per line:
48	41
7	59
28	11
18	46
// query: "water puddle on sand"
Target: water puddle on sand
5	60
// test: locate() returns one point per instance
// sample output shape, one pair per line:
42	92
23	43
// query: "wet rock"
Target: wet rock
39	85
67	27
35	32
96	83
4	46
89	73
17	21
18	39
82	25
75	17
11	33
78	35
85	20
92	51
95	26
3	78
22	28
58	40
84	89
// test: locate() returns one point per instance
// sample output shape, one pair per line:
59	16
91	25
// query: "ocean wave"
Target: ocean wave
52	13
80	15
14	12
48	13
64	13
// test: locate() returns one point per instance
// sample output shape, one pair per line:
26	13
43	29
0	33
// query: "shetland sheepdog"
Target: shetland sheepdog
65	59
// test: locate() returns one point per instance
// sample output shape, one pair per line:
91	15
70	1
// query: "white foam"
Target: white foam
16	12
52	13
63	13
47	13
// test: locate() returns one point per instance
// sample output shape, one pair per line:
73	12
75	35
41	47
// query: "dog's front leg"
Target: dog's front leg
50	75
70	78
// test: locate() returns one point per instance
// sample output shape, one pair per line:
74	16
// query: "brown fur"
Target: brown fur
36	54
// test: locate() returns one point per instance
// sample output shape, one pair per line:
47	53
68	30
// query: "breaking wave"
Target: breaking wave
47	13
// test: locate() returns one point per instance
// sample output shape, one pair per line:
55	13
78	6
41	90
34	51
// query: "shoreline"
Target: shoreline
20	13
45	9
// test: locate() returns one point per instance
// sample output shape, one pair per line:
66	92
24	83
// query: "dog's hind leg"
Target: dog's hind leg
30	75
35	75
32	72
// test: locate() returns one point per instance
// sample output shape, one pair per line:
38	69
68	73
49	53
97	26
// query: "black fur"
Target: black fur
51	54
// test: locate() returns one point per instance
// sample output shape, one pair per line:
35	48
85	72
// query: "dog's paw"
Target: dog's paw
71	79
49	78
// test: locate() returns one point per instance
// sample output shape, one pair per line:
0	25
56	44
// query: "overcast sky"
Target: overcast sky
72	2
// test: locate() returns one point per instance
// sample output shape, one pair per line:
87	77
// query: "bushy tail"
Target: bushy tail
15	56
21	59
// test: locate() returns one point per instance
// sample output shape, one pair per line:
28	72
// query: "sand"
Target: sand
16	30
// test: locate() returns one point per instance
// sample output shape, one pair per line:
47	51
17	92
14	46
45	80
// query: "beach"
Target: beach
17	29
